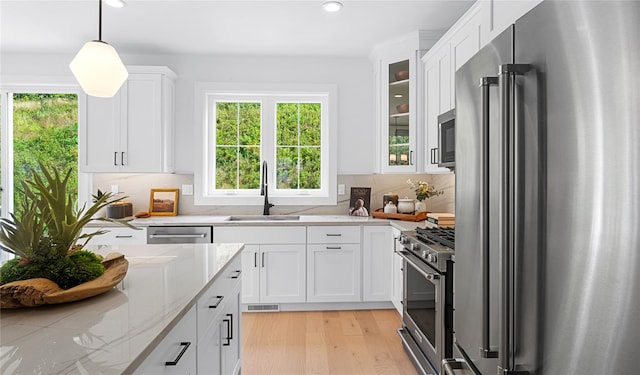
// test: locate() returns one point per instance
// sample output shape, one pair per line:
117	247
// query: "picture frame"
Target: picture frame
163	202
360	201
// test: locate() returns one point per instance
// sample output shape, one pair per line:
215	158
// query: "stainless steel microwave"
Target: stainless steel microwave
447	139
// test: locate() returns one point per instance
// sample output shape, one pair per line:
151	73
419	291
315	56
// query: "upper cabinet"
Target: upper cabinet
440	64
498	15
398	79
133	131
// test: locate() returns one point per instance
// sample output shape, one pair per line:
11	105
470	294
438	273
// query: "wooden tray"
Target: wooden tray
379	213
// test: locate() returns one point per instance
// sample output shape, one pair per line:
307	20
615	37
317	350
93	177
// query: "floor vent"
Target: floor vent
263	308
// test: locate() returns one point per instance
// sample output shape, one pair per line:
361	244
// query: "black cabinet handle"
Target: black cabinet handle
334	247
230	326
334	234
218	301
115	158
237	274
122	158
228	343
185	345
123	236
255	260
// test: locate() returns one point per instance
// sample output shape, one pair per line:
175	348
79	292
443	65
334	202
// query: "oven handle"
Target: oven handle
406	256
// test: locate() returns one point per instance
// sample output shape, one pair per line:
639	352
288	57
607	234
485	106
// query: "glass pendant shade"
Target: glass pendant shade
98	69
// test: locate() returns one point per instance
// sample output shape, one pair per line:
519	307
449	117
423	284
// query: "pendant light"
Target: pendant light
98	67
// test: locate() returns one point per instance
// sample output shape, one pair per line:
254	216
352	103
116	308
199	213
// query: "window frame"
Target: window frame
205	95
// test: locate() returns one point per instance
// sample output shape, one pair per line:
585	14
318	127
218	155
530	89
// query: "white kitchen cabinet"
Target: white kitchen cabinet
274	262
333	264
397	273
377	251
218	317
438	99
498	15
117	235
399	83
176	353
133	131
458	45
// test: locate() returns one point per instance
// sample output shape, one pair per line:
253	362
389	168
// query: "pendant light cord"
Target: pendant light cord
100	20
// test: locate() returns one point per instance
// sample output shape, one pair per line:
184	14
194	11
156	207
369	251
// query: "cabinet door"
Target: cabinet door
464	44
210	347
397	274
178	348
251	274
399	114
377	250
141	136
333	273
437	86
232	339
282	273
99	138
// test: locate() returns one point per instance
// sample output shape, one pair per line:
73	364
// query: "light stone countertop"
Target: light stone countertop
220	220
112	333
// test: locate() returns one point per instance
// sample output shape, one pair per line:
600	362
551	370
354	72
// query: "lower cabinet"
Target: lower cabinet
207	340
396	274
117	235
176	353
273	262
377	251
333	264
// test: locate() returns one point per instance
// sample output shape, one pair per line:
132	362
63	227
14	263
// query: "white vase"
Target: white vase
420	206
405	206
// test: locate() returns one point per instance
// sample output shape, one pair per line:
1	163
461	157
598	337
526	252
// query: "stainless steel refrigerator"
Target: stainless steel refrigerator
547	263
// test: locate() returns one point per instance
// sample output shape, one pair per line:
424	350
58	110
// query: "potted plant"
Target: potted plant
45	235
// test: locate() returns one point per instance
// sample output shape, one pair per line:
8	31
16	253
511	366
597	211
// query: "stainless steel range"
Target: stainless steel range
427	319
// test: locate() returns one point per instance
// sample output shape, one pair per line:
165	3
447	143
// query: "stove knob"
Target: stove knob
415	247
403	239
432	258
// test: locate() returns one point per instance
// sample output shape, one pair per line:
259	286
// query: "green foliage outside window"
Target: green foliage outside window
237	145
298	145
45	129
298	141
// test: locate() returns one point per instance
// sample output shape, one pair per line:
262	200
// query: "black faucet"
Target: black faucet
264	189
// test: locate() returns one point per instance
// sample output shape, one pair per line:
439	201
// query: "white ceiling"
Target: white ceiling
219	27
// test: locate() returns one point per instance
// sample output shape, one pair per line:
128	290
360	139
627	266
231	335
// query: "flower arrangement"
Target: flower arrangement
423	189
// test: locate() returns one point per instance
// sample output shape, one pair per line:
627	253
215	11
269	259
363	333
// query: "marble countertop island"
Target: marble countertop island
112	333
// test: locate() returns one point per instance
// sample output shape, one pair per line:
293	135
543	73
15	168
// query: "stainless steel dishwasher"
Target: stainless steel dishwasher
179	234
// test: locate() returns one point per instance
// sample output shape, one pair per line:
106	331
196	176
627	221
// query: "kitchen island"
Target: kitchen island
115	332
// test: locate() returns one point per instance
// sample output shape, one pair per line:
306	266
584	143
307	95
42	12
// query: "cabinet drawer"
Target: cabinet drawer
333	234
212	302
260	235
117	236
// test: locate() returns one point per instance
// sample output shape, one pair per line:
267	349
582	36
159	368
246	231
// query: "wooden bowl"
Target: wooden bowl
402	75
402	108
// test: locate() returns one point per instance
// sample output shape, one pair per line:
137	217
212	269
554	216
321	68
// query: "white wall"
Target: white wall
354	77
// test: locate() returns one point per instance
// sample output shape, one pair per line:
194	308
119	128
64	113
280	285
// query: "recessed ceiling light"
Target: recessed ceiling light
115	3
332	6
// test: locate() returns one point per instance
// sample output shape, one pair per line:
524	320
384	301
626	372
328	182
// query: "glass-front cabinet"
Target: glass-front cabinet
399	96
398	115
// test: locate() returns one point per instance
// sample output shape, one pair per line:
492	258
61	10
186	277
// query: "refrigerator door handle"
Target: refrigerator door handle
486	350
509	215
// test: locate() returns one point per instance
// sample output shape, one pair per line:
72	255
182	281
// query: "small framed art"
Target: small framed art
163	202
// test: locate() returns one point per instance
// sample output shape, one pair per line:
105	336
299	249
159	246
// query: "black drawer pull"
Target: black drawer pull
185	345
237	274
334	247
220	298
334	234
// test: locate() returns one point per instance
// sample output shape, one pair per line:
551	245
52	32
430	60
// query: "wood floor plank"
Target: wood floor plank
323	343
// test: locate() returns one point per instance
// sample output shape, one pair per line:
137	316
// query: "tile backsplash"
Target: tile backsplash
137	186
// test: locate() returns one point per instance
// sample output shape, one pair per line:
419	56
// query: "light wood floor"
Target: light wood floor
323	342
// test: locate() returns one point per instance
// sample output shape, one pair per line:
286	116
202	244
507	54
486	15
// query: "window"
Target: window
291	128
39	124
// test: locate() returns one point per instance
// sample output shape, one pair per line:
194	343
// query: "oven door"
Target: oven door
423	310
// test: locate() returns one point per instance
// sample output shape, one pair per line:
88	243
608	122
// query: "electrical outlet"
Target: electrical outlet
114	189
187	189
341	189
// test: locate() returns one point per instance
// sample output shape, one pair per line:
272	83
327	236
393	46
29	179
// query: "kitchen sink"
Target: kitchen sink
264	218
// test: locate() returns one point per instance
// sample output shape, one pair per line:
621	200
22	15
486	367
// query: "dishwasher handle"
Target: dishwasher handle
170	235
